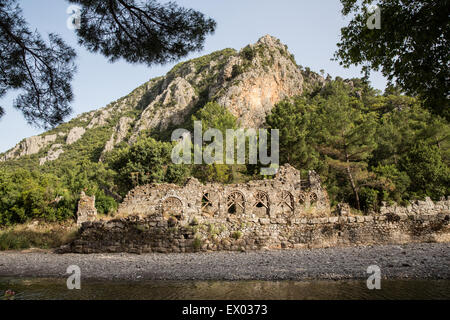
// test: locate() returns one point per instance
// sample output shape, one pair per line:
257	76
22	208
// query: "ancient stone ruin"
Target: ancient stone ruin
86	209
284	212
286	196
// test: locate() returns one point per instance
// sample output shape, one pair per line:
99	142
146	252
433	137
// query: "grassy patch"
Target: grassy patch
197	244
237	235
42	236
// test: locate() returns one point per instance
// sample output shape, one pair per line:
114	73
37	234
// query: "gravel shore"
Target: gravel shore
412	261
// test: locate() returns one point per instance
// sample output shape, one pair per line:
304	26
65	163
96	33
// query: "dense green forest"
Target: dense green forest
367	146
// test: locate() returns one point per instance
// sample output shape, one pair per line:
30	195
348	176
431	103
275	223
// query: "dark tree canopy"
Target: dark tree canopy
42	69
141	31
137	31
411	48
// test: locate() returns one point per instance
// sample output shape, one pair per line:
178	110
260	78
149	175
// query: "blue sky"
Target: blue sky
311	30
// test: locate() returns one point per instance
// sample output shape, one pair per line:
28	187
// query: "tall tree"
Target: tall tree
411	48
401	128
294	122
345	134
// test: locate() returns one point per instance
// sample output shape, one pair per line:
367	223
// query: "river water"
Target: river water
56	289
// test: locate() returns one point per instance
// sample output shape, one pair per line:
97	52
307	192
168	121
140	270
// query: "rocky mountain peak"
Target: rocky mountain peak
248	83
270	41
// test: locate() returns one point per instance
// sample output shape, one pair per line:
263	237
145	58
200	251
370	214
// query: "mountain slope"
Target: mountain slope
248	83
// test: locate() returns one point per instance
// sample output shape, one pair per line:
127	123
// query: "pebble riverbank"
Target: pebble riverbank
411	261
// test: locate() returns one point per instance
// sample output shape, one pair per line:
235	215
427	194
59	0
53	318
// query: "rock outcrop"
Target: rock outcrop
101	119
248	83
52	155
170	107
75	134
118	135
29	146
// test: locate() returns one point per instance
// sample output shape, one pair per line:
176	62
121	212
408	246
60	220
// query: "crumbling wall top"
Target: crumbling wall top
86	209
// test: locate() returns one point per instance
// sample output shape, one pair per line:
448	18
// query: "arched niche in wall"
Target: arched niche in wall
313	198
208	203
261	206
236	203
287	203
172	207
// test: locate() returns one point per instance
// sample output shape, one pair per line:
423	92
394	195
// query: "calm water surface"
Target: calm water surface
51	289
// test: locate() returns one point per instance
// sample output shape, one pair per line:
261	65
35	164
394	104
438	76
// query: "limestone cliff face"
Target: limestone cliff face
248	83
270	75
170	107
75	134
29	146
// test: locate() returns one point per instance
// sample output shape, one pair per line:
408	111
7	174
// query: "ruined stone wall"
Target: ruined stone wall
417	207
155	234
284	212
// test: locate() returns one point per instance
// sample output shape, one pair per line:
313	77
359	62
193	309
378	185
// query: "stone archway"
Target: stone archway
287	203
312	198
262	204
172	207
208	203
236	203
